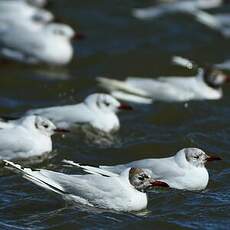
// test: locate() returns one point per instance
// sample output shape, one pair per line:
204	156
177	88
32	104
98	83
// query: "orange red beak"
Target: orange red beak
125	107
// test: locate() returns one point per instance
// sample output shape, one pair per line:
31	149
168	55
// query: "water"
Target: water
118	45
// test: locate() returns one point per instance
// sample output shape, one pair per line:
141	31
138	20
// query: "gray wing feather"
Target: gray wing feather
159	168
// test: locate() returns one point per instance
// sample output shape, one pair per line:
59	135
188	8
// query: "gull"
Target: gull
206	85
185	170
26	137
49	44
195	8
97	110
121	192
192	7
19	12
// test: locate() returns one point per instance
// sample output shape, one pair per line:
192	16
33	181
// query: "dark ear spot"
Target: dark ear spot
141	178
207	71
186	154
210	76
98	104
131	171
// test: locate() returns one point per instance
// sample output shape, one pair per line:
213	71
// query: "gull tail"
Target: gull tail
38	177
148	13
91	169
124	91
224	23
207	20
181	61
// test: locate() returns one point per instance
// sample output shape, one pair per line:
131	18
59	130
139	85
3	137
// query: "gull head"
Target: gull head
215	78
42	16
105	103
46	127
60	30
142	181
197	157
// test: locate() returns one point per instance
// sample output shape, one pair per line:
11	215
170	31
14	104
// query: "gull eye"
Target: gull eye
141	178
46	126
107	103
196	157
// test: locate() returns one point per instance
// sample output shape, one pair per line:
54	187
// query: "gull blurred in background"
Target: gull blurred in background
170	7
21	13
205	85
27	34
98	110
195	8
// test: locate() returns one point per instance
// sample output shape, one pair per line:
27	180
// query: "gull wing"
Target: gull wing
112	84
160	169
67	115
124	91
165	9
97	190
19	42
14	142
206	19
91	169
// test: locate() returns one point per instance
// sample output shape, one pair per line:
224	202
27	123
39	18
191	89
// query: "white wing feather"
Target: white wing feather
91	169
